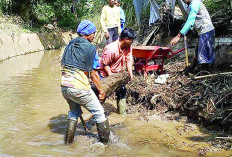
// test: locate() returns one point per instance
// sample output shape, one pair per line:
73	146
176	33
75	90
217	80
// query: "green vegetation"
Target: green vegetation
221	14
33	15
37	13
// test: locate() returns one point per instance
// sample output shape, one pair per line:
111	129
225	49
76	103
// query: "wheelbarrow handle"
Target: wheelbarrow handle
176	52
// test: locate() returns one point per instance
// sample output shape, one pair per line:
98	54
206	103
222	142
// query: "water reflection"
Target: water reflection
33	115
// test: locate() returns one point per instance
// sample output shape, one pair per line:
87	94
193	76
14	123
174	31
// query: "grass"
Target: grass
12	24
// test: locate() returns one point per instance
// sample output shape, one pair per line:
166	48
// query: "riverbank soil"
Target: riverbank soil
196	113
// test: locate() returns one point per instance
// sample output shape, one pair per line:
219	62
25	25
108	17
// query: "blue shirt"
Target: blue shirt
122	16
96	62
193	10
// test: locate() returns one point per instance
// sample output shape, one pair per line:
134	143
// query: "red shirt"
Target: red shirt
115	58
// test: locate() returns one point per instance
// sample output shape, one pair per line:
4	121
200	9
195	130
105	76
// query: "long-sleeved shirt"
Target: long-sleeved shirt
122	15
198	17
110	18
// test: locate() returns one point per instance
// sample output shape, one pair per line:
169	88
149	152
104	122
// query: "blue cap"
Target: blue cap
86	27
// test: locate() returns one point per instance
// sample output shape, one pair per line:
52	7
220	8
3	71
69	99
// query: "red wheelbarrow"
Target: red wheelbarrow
151	58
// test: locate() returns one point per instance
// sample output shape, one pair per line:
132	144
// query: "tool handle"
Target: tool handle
186	50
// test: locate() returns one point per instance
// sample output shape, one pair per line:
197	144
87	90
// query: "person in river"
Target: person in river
199	18
77	64
115	56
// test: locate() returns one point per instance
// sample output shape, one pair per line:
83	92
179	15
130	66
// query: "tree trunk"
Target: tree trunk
23	9
114	82
26	12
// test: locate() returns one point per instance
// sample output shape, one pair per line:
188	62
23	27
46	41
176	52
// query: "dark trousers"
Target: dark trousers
121	93
113	35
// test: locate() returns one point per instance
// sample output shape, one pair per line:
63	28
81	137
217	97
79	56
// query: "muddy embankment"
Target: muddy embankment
206	101
14	45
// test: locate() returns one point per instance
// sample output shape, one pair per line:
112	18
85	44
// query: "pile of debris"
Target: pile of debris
207	100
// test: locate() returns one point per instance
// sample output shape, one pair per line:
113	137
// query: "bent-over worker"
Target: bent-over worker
200	19
77	63
115	56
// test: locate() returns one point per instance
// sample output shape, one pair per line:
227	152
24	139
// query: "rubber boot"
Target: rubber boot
103	131
121	105
70	132
191	68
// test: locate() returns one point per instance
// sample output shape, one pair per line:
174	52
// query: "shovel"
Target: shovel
186	50
84	124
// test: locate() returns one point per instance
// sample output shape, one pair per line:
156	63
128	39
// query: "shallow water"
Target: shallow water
33	116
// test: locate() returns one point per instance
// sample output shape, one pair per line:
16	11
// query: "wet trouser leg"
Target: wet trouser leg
85	98
73	114
103	131
70	132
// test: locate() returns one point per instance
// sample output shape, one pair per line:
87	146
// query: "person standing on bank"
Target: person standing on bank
122	14
200	19
77	64
115	56
110	21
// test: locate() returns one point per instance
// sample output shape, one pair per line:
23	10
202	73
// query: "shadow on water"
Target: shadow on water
109	108
58	125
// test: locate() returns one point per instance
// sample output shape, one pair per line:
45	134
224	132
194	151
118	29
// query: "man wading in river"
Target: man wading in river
199	17
77	63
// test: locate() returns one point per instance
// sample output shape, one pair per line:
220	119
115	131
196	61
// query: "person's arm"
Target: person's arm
97	82
107	70
129	61
102	21
129	69
194	8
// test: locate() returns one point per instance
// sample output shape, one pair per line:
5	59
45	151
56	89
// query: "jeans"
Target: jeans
86	98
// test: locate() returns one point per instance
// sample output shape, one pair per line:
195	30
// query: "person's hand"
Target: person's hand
131	79
102	95
175	40
107	35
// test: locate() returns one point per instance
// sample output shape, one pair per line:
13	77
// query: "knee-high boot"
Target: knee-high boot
192	67
70	132
103	131
121	106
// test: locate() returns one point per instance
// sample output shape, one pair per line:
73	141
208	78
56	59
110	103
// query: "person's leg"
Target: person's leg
121	100
89	100
206	52
93	87
115	34
73	114
110	39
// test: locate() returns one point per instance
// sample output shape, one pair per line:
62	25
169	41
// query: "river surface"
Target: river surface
33	116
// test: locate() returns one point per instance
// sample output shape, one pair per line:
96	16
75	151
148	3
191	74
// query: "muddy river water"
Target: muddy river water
33	117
